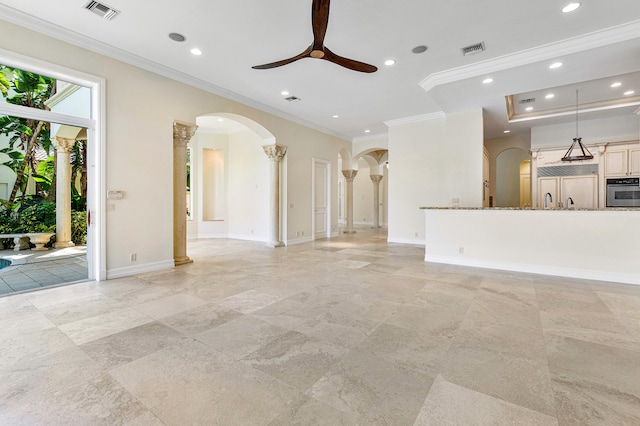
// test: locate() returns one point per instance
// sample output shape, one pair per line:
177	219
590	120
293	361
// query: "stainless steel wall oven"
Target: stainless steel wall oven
623	192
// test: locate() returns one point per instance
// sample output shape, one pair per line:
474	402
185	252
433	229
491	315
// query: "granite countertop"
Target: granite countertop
519	208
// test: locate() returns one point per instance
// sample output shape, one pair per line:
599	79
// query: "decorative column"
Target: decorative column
63	192
182	134
349	175
275	153
376	199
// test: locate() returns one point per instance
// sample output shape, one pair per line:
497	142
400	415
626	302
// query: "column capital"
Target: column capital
183	132
349	175
275	152
64	144
376	178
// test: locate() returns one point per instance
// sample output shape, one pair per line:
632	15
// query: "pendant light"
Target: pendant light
577	143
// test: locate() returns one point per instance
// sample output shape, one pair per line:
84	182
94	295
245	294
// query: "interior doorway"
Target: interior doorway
510	185
321	205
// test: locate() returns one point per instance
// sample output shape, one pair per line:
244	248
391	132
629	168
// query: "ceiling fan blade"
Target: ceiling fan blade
319	22
305	54
348	63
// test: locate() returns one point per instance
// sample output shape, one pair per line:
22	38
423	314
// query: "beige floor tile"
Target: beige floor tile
170	305
450	404
520	380
251	335
241	336
373	390
295	359
100	326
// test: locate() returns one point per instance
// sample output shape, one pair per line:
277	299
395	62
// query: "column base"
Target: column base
63	244
182	260
349	231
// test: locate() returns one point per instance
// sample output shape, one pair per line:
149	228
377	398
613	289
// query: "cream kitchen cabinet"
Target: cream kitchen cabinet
583	190
622	162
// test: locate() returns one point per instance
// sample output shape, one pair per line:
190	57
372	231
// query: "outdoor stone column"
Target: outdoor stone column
275	153
376	199
349	175
63	192
182	134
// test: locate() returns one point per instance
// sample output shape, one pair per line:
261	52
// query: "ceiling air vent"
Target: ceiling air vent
473	49
292	99
527	101
102	10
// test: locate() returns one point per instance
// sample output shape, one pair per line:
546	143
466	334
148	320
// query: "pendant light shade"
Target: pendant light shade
584	153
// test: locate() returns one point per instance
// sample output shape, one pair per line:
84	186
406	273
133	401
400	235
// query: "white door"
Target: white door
320	199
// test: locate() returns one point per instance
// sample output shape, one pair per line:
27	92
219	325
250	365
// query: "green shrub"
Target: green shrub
37	215
79	227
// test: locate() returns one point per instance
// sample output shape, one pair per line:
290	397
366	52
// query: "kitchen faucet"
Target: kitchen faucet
548	194
566	204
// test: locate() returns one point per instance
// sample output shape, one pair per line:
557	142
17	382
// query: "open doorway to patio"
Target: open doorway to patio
47	151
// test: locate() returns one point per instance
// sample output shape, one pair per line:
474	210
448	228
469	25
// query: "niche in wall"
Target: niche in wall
213	200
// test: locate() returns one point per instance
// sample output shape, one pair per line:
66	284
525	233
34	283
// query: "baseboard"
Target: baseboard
413	242
139	269
537	269
296	241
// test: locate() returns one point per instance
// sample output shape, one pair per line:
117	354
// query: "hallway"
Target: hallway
345	331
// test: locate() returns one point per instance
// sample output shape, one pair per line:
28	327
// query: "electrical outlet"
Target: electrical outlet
416	234
111	207
461	250
133	257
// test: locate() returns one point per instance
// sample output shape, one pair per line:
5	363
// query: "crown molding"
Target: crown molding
52	30
549	51
415	119
368	138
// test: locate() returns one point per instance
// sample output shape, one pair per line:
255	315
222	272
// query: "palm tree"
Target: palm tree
31	90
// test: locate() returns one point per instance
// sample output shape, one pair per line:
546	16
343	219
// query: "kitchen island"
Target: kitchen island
597	244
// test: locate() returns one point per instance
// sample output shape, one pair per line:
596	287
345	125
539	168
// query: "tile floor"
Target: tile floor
341	332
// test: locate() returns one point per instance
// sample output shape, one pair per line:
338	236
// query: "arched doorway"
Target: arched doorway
234	174
511	189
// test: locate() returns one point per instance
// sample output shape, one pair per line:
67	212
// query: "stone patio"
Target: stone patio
32	270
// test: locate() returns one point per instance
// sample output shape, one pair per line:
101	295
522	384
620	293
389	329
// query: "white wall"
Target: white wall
140	108
248	188
614	129
432	162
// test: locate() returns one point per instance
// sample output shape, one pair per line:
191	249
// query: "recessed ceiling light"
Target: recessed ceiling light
220	120
570	7
507	131
335	116
550	96
629	92
528	109
284	93
487	80
367	131
390	62
196	51
177	37
555	65
419	49
616	84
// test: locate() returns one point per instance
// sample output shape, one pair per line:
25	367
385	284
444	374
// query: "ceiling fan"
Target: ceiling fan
319	22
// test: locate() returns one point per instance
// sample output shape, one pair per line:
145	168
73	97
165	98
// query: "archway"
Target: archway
235	192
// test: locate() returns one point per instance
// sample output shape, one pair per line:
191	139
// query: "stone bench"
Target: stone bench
21	241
